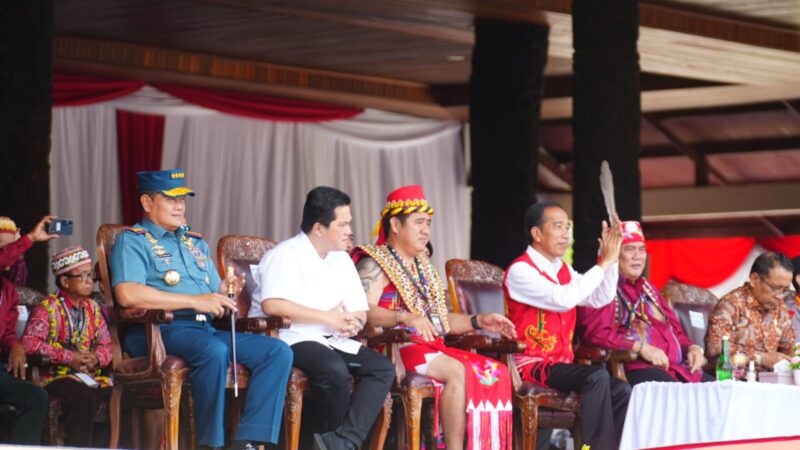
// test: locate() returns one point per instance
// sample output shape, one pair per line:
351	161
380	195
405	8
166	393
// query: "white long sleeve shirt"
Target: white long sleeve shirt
595	288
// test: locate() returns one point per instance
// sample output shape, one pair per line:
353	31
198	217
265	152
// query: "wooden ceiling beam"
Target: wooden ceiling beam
686	100
773	200
702	167
122	60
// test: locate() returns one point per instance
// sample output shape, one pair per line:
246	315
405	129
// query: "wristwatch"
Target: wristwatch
474	321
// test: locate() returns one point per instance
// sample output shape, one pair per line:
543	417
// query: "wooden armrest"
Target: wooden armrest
391	336
253	324
31	360
622	356
369	332
472	341
37	360
503	345
592	354
137	315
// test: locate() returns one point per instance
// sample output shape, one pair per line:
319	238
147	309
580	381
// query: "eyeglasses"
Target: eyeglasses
776	290
86	276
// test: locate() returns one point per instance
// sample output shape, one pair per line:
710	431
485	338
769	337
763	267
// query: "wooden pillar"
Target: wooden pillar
606	116
26	40
505	96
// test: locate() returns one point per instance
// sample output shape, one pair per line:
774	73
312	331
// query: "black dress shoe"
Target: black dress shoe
332	441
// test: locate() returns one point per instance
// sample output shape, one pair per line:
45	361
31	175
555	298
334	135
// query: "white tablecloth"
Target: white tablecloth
662	414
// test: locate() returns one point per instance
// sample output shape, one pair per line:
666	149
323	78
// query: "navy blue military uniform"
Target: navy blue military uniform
180	262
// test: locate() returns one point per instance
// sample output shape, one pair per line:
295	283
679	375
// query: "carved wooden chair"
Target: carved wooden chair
167	373
29	298
240	252
477	287
693	305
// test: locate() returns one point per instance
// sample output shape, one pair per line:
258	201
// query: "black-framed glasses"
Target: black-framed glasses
776	290
86	276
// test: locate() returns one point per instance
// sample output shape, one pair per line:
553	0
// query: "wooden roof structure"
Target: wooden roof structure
720	78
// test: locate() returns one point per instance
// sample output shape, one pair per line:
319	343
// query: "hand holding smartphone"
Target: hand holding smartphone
60	226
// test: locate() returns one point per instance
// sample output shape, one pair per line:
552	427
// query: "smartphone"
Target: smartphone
60	226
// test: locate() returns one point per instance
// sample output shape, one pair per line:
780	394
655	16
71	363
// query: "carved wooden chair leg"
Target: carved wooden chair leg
53	413
171	391
382	425
577	437
235	413
530	423
113	413
412	402
292	413
428	426
188	435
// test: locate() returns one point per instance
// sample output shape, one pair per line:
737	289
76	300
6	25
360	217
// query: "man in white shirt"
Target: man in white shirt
542	293
312	280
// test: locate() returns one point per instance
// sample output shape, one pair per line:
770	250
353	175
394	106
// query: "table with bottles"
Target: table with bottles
663	414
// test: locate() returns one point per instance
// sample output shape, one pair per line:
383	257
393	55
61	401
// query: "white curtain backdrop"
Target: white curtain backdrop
84	174
251	176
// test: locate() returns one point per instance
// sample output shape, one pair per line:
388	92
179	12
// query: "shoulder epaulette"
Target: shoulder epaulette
137	230
194	234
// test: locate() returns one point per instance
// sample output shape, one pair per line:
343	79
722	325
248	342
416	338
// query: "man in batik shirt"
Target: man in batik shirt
639	319
404	289
70	328
754	314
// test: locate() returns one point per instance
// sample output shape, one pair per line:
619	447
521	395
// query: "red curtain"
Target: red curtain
259	106
75	90
140	142
788	245
708	262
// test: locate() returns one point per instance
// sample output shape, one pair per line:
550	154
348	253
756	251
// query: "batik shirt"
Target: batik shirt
752	330
58	329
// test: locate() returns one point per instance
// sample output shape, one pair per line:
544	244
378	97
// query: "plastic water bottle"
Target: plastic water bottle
751	372
724	366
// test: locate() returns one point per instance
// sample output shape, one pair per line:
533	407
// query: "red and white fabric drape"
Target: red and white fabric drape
250	158
718	264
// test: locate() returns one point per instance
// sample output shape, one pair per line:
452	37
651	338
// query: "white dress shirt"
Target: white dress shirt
294	271
594	288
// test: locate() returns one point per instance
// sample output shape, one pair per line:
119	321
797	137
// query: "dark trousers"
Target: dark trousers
79	404
31	403
653	374
208	353
350	415
604	401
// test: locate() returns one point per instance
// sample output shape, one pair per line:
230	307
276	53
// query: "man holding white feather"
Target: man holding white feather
542	294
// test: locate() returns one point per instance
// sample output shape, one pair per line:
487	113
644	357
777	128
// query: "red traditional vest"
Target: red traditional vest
547	334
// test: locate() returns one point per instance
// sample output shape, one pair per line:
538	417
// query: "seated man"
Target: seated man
159	264
754	315
639	319
29	400
310	279
69	327
542	293
793	301
404	289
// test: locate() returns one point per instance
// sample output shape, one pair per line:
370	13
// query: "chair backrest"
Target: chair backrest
475	286
240	252
29	298
107	236
693	305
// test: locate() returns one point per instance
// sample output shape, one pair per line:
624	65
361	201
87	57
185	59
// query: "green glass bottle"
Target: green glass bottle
724	366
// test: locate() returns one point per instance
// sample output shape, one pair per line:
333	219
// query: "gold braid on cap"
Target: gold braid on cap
398	207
